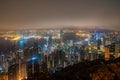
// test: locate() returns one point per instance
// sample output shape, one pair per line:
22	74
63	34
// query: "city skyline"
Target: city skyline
31	14
26	54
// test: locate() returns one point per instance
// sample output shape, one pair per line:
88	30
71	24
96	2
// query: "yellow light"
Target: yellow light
83	35
89	44
89	48
78	34
95	47
16	38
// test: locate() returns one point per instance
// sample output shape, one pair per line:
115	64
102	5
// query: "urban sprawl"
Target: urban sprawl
24	54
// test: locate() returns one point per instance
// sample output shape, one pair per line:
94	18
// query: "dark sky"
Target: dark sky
22	14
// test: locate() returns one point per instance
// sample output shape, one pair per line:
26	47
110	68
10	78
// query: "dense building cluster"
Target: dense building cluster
30	53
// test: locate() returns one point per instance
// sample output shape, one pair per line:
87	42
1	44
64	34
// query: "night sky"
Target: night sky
27	14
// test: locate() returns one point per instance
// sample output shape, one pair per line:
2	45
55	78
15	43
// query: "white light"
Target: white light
0	68
6	38
86	39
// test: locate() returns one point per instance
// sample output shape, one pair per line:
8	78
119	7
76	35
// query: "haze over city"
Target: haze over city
59	39
31	14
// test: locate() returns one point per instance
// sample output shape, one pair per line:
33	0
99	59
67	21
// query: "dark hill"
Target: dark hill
87	70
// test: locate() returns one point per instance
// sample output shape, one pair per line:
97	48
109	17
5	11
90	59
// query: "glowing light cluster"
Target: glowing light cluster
16	38
83	35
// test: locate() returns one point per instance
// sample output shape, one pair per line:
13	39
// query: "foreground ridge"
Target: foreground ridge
87	70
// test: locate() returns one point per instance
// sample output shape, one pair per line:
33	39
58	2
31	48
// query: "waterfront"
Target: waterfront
31	52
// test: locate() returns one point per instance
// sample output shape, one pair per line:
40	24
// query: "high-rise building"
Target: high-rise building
13	72
107	52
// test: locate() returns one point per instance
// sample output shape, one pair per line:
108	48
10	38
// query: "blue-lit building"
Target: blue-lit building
33	68
21	43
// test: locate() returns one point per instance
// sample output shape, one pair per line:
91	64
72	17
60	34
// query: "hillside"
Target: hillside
87	70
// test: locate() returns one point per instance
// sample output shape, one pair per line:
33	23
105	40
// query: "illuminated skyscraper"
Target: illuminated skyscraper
61	35
107	53
21	43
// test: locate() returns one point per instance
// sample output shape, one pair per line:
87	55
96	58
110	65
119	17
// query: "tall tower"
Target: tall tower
61	35
107	53
50	41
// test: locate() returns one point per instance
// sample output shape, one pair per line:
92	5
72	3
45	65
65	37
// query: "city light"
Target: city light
86	39
1	69
52	52
59	39
33	58
16	38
